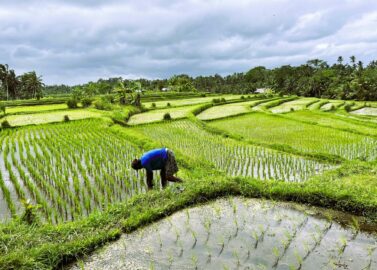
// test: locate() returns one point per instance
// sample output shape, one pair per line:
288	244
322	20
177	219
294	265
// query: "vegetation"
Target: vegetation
67	187
315	78
27	85
304	137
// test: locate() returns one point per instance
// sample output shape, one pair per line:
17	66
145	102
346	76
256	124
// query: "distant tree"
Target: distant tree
31	85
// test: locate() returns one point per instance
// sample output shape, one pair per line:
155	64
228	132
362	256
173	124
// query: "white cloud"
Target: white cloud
76	41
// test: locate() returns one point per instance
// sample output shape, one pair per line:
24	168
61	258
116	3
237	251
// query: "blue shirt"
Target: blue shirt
154	159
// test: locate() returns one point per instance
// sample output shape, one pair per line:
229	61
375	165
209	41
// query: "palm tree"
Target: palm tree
4	71
32	85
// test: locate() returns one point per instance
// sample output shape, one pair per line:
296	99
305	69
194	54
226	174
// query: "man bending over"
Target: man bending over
161	159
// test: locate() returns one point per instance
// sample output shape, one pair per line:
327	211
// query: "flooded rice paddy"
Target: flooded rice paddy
238	233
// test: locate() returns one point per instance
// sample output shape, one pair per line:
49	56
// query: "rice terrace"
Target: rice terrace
188	135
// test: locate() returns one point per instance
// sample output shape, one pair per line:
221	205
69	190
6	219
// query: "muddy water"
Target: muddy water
240	233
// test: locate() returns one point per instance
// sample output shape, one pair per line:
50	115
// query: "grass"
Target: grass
36	108
157	115
189	101
334	121
48	246
51	117
230	156
276	130
211	165
226	110
296	105
69	169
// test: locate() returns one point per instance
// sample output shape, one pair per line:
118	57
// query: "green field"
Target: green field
294	105
275	130
158	115
36	108
191	101
226	110
52	116
76	177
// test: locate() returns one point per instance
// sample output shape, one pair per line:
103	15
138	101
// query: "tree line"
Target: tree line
316	78
25	86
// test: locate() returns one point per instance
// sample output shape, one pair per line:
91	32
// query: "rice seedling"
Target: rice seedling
275	130
235	158
69	169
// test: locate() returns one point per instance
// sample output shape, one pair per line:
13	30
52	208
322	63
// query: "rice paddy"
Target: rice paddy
238	233
36	108
158	115
230	156
69	169
231	109
77	174
294	105
366	111
189	101
270	129
50	117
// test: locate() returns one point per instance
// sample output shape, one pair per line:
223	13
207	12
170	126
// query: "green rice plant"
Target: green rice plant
194	260
235	158
282	133
237	256
342	245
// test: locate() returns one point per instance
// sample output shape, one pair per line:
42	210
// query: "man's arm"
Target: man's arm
150	179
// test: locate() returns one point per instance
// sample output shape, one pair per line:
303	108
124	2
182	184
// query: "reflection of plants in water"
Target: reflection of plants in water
237	228
193	233
225	267
237	256
255	235
151	266
170	258
298	258
355	227
207	225
370	250
262	232
217	211
209	254
181	248
342	245
168	219
222	244
159	240
234	206
194	260
261	266
177	234
276	253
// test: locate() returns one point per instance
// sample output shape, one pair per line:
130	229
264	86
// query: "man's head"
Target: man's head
136	164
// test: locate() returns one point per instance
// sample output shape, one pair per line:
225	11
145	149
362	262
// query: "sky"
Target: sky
76	41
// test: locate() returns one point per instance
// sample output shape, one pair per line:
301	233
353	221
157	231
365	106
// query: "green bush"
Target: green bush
203	95
216	100
168	104
347	107
72	103
102	105
242	97
66	118
86	102
153	105
167	116
5	124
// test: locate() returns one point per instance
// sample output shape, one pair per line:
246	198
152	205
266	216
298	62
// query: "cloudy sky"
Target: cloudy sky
75	41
